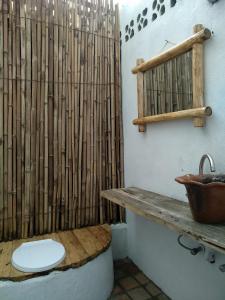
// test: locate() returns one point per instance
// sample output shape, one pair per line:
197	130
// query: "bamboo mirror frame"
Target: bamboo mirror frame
197	111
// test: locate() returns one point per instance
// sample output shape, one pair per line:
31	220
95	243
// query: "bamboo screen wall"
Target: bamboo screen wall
60	115
168	87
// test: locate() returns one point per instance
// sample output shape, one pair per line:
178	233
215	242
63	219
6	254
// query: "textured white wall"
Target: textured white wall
170	149
93	281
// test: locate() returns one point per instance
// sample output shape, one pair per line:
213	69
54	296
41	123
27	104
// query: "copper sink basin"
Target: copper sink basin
206	195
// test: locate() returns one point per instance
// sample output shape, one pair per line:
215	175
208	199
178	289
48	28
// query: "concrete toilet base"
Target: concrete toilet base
92	281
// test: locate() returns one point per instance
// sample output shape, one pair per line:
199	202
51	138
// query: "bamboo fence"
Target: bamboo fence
61	139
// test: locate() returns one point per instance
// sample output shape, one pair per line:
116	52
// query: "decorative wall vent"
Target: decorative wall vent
170	85
129	31
157	8
173	3
142	20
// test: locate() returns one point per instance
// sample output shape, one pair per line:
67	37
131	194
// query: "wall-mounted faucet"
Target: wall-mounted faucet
222	268
211	163
193	251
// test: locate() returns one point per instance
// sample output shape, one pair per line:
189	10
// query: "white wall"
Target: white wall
170	149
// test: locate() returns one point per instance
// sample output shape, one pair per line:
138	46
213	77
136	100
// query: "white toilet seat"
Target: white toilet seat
38	256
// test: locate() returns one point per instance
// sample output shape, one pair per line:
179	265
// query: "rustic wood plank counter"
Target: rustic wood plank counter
170	212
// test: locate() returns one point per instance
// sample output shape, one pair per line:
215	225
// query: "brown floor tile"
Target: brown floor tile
152	289
131	283
120	297
141	278
118	274
117	290
163	297
139	294
128	283
122	262
130	268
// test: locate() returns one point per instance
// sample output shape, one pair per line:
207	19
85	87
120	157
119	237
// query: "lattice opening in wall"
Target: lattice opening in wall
142	20
159	8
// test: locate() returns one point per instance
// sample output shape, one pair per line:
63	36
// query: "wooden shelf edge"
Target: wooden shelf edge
200	112
139	205
179	49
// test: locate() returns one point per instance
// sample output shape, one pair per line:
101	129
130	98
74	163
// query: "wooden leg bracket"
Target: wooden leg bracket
197	75
140	95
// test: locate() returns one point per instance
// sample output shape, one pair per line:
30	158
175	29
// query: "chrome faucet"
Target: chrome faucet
211	163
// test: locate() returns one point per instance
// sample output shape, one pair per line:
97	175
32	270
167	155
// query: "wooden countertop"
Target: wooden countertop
170	212
81	245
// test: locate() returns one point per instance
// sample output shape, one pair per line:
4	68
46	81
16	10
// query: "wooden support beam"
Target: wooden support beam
198	37
140	94
168	212
197	76
182	114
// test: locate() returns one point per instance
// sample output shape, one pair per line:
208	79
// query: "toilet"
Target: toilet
38	256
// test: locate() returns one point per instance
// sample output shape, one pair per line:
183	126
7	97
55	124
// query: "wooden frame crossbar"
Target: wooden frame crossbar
182	114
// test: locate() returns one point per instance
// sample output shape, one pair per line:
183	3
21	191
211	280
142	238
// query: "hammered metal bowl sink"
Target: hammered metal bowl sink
206	195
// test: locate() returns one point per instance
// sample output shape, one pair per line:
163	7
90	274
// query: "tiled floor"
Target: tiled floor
131	283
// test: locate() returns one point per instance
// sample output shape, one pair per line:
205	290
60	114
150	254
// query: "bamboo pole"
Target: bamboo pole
9	125
77	113
27	120
55	117
38	118
33	100
5	109
102	94
140	94
69	121
95	117
42	119
18	125
73	108
63	128
88	119
186	45
67	117
60	79
50	107
1	120
46	120
197	76
14	122
183	114
81	118
92	123
84	134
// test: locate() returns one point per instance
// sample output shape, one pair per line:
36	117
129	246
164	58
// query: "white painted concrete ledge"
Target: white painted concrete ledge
119	240
93	281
